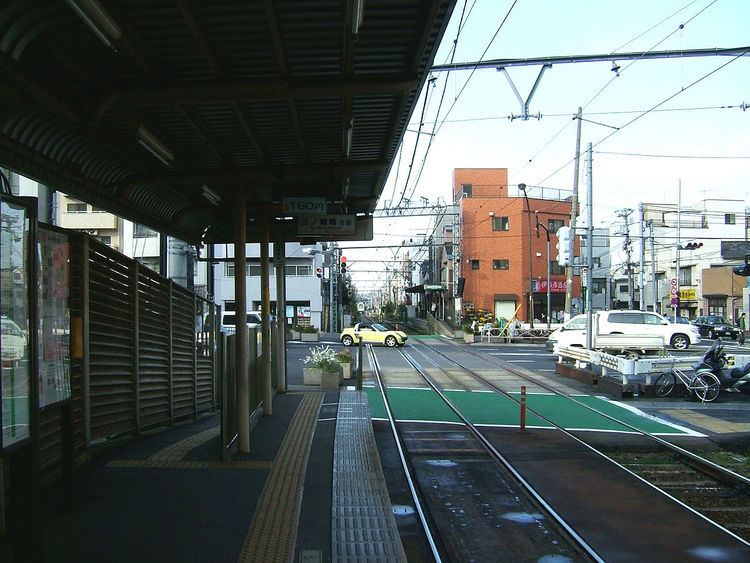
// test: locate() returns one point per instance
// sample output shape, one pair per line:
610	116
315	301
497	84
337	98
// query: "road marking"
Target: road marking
521	361
535	355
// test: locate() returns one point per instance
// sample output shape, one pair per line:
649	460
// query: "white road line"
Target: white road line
535	355
521	361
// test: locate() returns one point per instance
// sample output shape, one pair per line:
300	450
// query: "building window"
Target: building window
623	289
555	269
500	224
466	190
554	225
104	239
142	231
97	210
500	264
597	260
229	269
475	264
76	208
717	306
729	219
297	271
686	276
599	285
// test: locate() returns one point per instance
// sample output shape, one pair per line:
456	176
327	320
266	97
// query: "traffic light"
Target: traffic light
564	246
692	246
342	264
319	272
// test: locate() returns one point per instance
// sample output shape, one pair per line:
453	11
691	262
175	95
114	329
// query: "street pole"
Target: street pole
331	254
522	187
641	281
549	293
573	214
589	245
654	295
677	250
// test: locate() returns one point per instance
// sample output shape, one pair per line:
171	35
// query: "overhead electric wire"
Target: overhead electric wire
664	101
606	85
681	156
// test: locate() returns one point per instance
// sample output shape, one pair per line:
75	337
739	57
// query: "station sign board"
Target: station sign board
326	225
304	205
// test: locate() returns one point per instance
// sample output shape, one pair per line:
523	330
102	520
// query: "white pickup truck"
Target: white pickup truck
573	334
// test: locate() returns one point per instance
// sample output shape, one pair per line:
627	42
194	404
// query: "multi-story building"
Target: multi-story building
703	233
502	259
304	298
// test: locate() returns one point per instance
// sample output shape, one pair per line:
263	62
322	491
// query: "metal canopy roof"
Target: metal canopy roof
271	98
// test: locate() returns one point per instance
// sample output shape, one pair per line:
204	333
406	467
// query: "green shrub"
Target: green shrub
307	329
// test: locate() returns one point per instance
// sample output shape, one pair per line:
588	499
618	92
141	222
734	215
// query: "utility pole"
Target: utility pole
677	250
573	214
624	214
589	247
641	282
654	295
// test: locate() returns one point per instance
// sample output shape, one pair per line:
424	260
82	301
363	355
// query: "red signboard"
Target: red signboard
555	286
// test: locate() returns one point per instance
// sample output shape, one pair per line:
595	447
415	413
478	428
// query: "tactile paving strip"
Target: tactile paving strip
362	525
274	527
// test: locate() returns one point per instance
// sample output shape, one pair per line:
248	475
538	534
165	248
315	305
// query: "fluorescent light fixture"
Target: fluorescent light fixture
212	197
98	19
358	10
154	146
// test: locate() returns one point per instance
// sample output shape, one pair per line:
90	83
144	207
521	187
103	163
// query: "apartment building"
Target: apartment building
502	261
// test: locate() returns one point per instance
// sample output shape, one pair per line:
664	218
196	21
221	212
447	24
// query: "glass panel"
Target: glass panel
54	317
14	306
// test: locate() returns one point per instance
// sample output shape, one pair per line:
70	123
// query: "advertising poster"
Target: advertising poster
54	317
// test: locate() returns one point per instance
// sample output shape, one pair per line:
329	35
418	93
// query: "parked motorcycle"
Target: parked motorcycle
715	360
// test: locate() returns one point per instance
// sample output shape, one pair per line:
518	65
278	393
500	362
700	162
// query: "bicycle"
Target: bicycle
703	384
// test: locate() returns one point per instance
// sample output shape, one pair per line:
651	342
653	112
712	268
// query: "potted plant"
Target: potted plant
321	368
345	359
308	334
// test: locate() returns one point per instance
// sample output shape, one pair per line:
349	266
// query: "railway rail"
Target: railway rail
701	484
709	526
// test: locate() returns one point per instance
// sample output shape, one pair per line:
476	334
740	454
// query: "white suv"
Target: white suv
646	323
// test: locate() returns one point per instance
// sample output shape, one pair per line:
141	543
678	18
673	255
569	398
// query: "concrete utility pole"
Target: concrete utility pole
677	250
590	247
641	282
654	295
573	214
624	214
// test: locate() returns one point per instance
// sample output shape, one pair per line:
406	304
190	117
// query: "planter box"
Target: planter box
469	338
346	370
309	336
295	335
311	376
330	380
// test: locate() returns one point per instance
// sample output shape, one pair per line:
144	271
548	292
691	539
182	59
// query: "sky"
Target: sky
695	110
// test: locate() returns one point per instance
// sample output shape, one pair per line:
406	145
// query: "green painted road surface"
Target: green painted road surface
424	405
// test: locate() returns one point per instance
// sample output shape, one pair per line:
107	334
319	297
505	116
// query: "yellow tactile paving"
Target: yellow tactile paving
179	464
274	527
707	421
177	451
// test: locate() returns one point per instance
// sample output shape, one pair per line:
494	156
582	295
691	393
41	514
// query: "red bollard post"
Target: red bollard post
523	408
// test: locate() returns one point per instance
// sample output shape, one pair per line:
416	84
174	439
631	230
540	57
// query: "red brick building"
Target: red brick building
493	238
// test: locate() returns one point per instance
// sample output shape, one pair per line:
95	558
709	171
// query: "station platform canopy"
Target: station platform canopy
170	112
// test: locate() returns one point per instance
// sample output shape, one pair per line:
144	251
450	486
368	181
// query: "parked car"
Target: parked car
13	342
374	333
229	321
712	326
679	320
563	333
645	323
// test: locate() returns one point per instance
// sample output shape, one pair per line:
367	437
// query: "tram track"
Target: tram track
696	483
424	449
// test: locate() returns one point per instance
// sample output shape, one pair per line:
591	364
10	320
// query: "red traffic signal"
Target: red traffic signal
342	259
319	272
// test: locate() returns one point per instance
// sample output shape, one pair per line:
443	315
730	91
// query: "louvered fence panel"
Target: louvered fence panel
183	353
206	385
153	348
111	345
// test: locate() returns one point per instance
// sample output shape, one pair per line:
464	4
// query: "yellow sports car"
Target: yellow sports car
372	334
